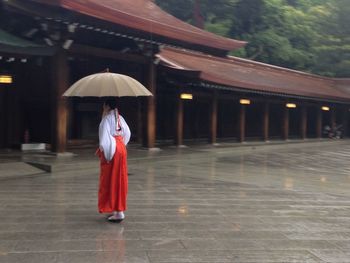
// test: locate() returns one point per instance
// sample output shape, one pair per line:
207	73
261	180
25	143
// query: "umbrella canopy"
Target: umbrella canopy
107	85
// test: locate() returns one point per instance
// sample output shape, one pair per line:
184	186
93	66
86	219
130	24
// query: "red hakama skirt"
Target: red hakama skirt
113	187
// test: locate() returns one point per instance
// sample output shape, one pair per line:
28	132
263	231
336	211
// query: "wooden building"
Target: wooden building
47	45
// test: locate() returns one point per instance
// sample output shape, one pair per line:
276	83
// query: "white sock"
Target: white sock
117	216
121	215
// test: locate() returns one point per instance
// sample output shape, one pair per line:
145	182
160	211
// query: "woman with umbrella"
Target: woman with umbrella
114	135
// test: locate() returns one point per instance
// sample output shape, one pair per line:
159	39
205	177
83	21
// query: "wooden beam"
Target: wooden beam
83	50
272	100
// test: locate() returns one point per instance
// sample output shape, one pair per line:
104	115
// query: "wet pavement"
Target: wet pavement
273	203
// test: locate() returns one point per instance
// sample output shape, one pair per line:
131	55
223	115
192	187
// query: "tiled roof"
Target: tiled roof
253	76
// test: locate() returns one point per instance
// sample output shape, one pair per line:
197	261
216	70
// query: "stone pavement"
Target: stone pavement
277	203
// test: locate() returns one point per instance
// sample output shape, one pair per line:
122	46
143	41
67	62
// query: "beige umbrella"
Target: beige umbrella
107	84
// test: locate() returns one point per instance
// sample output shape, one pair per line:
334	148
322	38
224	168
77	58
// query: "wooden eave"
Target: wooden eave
128	18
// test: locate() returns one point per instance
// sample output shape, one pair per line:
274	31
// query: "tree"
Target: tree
333	49
216	13
278	33
308	35
182	9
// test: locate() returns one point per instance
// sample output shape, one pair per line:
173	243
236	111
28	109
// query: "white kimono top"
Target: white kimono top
108	128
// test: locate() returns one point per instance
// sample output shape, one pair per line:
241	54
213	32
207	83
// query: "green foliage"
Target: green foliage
333	49
277	33
182	9
221	28
308	35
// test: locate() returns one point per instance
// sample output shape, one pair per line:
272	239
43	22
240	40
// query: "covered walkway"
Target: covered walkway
232	98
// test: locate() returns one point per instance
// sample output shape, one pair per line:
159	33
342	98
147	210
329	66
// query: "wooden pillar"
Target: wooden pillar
70	118
266	121
3	116
285	123
213	119
179	121
9	117
242	114
60	83
345	121
151	107
303	124
333	118
139	121
14	116
196	113
319	123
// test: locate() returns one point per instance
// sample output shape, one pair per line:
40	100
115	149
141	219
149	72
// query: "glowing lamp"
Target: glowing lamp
291	105
6	79
186	96
325	108
244	101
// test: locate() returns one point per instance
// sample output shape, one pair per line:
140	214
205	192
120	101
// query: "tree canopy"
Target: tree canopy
307	35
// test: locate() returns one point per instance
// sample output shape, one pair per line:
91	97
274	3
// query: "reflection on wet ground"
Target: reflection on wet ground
278	203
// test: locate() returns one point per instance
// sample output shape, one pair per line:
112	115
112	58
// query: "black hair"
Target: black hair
111	102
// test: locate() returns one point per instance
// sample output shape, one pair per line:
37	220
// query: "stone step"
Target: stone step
17	169
60	166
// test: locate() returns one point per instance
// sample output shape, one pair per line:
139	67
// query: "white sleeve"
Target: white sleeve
106	140
125	130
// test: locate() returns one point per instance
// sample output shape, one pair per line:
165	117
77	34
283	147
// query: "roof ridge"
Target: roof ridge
274	67
244	61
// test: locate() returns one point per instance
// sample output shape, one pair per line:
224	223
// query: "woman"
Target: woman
114	135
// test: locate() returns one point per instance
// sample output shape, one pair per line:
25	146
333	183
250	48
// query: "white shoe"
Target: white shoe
116	217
